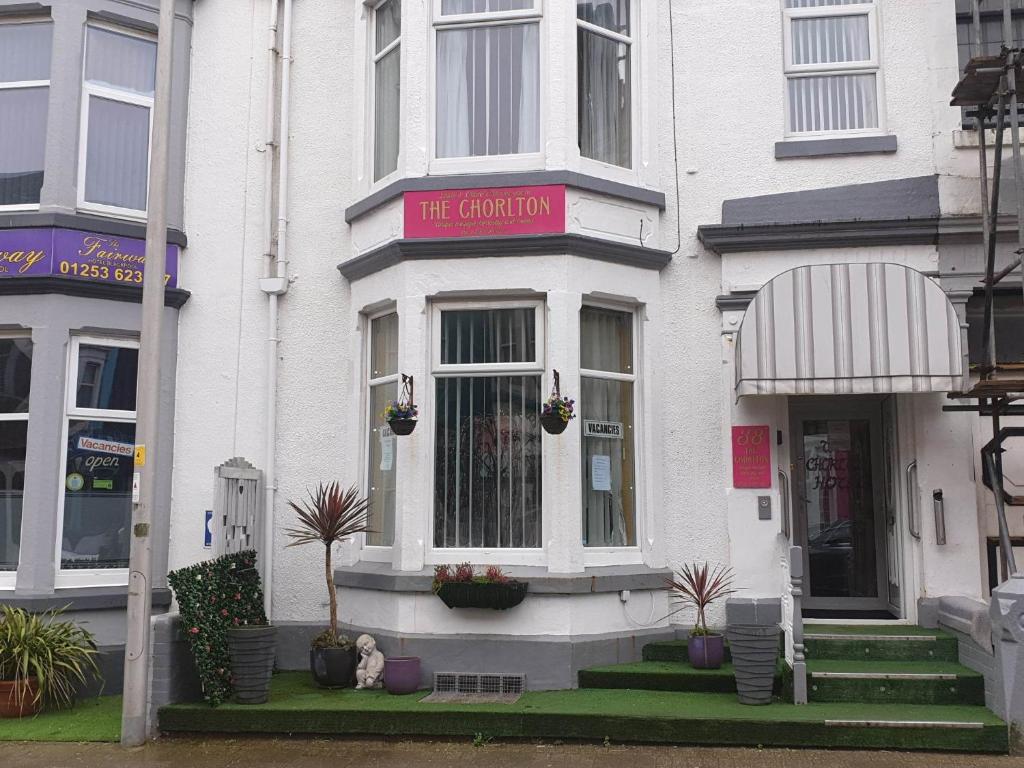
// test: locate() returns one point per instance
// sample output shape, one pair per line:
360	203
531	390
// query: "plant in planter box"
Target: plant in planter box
402	414
329	516
557	411
42	661
698	586
232	644
460	586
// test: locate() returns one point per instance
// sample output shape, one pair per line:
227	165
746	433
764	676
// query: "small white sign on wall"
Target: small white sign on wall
612	429
387	451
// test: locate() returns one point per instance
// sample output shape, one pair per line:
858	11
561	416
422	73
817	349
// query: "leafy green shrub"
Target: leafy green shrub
59	654
214	596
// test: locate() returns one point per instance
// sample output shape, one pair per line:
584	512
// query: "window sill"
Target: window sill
612	578
823	147
83	599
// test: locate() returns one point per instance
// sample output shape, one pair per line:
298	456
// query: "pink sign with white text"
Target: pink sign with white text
751	457
490	212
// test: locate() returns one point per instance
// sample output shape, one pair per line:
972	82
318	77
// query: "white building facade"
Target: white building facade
745	235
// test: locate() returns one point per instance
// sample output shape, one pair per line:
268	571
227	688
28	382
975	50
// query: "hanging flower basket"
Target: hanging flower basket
402	414
557	411
459	587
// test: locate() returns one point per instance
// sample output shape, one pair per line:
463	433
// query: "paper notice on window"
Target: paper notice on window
601	473
387	451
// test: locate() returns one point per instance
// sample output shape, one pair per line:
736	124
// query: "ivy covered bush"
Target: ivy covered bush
214	596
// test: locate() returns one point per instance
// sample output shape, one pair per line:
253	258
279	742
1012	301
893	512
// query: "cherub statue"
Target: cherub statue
370	672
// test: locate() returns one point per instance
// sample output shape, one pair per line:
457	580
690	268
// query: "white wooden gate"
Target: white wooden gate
237	507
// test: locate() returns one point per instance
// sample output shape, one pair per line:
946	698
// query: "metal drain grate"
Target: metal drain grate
482	687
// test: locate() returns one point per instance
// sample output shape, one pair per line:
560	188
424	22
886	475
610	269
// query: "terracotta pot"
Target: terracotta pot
9	694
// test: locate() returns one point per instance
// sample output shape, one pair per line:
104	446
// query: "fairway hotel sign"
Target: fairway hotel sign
489	212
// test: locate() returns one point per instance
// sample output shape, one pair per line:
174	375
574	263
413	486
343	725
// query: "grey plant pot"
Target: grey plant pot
755	656
252	651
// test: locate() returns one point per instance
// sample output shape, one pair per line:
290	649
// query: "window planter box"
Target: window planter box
499	597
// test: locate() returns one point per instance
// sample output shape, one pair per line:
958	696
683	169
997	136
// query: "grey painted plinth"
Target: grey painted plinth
1007	614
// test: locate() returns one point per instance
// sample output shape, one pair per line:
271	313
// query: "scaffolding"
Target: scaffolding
989	85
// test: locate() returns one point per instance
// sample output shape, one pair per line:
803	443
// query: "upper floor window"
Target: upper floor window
488	77
604	46
15	381
117	104
387	26
991	37
832	66
24	94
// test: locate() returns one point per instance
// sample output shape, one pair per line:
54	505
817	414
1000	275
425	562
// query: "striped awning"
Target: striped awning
849	328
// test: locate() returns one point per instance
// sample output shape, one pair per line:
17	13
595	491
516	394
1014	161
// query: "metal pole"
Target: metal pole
988	343
135	715
1011	79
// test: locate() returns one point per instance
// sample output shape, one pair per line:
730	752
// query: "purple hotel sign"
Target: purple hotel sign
78	255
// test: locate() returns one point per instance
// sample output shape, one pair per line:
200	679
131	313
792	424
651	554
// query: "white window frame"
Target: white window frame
633	41
85	577
9	578
112	94
595	556
18	84
374	552
371	97
482	555
870	66
488	163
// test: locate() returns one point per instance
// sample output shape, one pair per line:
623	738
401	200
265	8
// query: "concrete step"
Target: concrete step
881	643
895	682
660	676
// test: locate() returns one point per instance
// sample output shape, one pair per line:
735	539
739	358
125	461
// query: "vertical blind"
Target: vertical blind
24	59
604	82
117	140
488	86
387	88
820	100
487	468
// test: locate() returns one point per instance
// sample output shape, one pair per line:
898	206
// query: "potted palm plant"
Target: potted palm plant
43	661
330	516
698	586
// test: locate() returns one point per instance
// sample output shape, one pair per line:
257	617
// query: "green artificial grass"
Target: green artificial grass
967	688
296	706
850	646
663	676
89	720
891	667
872	629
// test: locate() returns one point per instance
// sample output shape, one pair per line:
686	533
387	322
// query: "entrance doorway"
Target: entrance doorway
842	454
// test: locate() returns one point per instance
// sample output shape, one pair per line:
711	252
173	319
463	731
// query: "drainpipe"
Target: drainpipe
275	280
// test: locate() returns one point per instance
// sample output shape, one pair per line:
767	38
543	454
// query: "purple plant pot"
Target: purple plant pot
402	674
706	651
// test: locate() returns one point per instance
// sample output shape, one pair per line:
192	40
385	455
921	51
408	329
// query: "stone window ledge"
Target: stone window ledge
610	578
850	145
81	599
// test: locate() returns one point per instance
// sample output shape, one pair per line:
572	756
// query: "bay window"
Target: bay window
15	382
117	106
832	67
24	95
606	402
382	461
387	26
488	362
604	46
488	77
99	454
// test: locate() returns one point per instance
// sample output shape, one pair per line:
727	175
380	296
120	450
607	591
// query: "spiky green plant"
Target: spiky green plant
60	655
329	516
698	586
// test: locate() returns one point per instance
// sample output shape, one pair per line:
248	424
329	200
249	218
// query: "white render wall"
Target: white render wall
729	90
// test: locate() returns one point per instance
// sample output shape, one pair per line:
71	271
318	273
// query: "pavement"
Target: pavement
179	752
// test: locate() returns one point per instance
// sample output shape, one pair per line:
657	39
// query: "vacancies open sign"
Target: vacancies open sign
610	429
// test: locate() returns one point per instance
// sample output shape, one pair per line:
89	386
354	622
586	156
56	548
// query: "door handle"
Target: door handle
912	523
787	523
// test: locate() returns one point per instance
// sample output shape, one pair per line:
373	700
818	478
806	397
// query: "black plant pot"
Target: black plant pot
333	667
456	594
553	424
402	426
251	650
